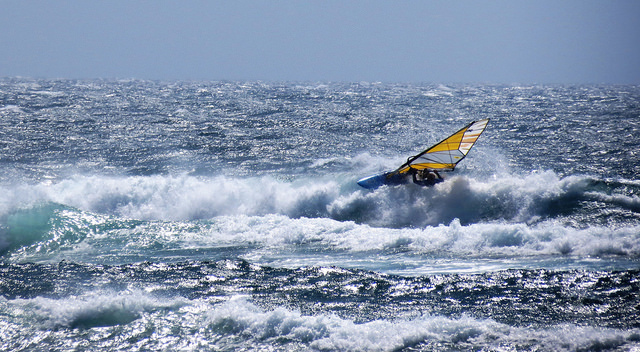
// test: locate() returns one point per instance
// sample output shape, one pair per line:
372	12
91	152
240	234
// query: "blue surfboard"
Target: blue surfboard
372	182
385	178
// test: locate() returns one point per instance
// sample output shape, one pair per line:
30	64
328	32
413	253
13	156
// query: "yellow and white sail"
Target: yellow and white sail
445	155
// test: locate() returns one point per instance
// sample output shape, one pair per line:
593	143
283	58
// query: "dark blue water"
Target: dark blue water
140	215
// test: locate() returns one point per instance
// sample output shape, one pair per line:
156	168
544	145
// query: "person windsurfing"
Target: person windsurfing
443	156
426	177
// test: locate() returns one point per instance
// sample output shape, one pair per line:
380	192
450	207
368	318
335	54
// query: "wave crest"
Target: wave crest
527	199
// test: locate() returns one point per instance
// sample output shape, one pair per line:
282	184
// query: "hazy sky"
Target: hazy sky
491	41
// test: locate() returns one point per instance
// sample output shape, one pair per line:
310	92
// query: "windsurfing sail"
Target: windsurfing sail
444	156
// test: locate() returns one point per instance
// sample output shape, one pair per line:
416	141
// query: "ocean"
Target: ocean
225	216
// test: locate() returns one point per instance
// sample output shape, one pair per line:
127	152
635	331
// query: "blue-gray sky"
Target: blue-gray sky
464	41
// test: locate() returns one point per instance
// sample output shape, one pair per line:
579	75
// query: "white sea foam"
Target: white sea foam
512	198
631	202
266	239
179	323
186	198
495	239
501	217
92	309
331	333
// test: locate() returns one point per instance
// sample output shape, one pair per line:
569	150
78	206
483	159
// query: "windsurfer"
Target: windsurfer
425	177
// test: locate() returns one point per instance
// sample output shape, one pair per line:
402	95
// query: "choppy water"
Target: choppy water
139	215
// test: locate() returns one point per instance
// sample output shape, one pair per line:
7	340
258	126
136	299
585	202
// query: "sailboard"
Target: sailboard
443	156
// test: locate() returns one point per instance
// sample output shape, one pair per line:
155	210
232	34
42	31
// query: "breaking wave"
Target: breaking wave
53	232
331	333
514	199
160	217
239	324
